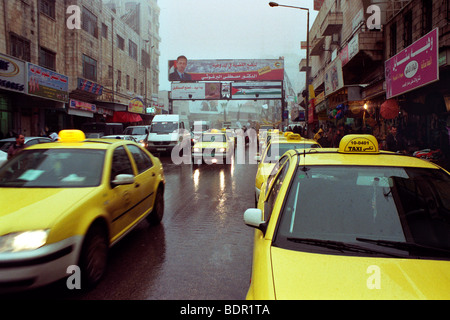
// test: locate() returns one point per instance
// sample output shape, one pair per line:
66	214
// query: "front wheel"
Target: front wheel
157	213
94	256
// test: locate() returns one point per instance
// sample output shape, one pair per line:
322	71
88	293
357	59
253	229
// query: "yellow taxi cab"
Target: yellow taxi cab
213	147
275	149
66	203
352	222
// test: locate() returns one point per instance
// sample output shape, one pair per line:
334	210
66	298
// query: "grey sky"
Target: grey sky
233	29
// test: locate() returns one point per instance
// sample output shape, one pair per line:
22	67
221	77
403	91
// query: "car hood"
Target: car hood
300	275
29	208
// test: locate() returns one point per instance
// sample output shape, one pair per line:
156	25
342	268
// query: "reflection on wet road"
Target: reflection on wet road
202	249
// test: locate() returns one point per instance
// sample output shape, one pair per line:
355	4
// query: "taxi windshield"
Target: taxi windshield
213	138
398	210
276	150
53	168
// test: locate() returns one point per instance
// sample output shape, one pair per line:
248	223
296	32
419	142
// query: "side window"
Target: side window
275	189
143	161
121	163
274	172
32	142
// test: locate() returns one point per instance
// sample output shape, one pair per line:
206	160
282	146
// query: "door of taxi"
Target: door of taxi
145	181
122	202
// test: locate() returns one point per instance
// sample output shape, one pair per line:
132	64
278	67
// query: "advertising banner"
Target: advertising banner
12	74
47	84
227	70
333	77
413	67
253	90
196	91
136	105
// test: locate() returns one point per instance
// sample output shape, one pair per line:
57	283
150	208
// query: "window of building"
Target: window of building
89	68
47	58
119	78
132	49
110	72
104	31
427	16
128	82
48	8
120	42
89	22
20	47
393	39
134	85
407	33
142	89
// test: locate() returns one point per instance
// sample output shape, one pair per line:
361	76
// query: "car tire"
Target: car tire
94	256
155	217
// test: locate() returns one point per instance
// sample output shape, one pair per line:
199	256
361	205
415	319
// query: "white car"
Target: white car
29	141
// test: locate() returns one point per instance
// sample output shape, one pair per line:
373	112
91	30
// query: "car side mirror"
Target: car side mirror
253	218
122	179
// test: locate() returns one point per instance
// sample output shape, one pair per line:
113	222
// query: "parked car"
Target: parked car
8	142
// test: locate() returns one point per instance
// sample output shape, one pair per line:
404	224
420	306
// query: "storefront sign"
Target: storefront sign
80	105
47	84
12	74
333	77
136	105
414	67
89	86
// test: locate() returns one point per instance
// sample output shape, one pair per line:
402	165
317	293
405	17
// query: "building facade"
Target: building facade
103	69
359	70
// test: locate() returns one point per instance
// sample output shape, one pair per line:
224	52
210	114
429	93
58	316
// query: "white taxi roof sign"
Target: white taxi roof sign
71	135
359	143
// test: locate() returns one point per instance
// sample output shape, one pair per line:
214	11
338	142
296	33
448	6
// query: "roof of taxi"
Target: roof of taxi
362	150
77	139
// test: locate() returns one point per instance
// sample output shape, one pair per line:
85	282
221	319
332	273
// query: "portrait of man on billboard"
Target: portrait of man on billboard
177	71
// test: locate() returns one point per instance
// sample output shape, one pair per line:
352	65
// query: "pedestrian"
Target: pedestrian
395	141
338	136
16	147
318	135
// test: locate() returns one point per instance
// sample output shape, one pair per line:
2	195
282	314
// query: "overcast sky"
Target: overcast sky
233	29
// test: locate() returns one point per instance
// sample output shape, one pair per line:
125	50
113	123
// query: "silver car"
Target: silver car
29	141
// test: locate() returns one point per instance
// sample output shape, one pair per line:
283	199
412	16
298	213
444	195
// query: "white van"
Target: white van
167	131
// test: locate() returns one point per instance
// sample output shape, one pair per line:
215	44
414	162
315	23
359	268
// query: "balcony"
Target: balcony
332	24
317	46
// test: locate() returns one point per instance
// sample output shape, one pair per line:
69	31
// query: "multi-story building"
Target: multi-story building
355	69
65	74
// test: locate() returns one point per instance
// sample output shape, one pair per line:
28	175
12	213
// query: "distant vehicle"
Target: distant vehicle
140	134
29	141
168	131
120	136
198	128
100	129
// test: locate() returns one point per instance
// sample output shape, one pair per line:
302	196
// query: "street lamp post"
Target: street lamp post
274	4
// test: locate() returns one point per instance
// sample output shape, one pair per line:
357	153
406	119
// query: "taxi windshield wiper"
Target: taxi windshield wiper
339	246
406	246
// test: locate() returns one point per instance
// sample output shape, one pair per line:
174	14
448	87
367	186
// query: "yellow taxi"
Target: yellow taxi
213	147
66	203
352	222
275	149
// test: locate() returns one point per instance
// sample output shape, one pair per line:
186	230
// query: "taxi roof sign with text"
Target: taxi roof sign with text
355	143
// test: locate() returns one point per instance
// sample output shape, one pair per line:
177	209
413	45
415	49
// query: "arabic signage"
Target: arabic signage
196	91
414	67
253	90
89	86
136	105
48	84
80	105
12	74
233	70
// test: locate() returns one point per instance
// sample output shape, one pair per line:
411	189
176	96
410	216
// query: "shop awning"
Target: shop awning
124	116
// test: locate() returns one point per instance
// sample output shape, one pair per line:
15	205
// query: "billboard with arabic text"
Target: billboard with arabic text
232	70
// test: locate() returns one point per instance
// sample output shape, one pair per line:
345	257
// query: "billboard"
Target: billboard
254	90
196	91
48	84
227	70
12	74
414	67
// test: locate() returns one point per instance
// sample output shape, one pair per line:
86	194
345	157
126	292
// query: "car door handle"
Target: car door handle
137	185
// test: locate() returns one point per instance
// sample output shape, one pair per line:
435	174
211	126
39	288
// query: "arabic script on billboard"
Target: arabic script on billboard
232	70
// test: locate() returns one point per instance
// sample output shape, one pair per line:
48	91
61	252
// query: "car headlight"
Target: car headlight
21	241
221	150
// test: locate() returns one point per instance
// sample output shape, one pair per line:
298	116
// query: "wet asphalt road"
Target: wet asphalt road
202	250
